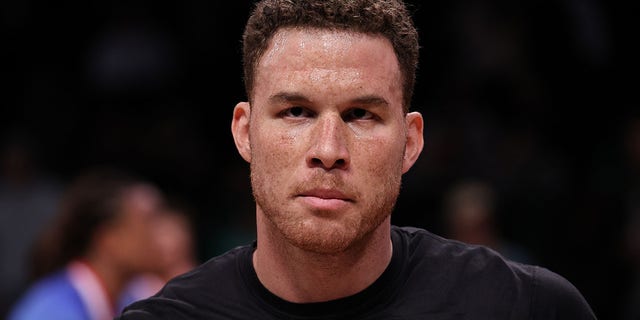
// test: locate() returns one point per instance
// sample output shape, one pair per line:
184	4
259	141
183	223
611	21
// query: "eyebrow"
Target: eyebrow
371	100
282	97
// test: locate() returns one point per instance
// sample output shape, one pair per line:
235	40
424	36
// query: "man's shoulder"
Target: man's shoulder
557	298
482	276
191	295
226	261
218	272
424	244
439	255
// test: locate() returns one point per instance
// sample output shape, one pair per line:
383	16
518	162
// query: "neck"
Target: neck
301	276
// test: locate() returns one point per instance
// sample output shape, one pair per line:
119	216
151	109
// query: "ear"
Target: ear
240	129
415	140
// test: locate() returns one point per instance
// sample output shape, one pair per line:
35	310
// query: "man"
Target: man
102	236
328	136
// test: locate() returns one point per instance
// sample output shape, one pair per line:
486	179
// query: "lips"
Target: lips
326	194
325	199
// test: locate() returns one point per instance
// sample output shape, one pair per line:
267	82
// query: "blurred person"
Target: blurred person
470	214
328	135
177	253
176	238
28	197
101	237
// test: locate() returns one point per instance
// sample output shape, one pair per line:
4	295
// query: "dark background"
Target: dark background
537	98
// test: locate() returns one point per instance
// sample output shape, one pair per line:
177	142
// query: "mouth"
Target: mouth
325	199
326	194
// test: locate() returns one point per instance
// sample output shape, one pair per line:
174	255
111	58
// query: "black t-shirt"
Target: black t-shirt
429	277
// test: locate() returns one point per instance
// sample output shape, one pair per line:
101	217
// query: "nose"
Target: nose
328	148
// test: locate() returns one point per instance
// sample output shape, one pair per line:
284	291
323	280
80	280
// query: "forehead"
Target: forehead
296	57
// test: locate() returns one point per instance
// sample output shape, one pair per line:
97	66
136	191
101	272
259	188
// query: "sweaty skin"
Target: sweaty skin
328	142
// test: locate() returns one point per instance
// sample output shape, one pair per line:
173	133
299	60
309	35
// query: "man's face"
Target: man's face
326	137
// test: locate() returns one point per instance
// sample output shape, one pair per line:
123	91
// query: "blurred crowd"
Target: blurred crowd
532	133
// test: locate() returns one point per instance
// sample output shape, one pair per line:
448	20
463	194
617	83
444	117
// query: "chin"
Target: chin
324	237
322	245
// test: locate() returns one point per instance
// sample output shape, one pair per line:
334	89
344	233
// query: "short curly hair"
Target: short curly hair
389	18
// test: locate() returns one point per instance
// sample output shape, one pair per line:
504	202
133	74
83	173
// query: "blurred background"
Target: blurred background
532	126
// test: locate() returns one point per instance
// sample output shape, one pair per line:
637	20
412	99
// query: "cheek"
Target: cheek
274	153
380	156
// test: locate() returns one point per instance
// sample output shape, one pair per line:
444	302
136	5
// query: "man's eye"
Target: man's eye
296	112
358	114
